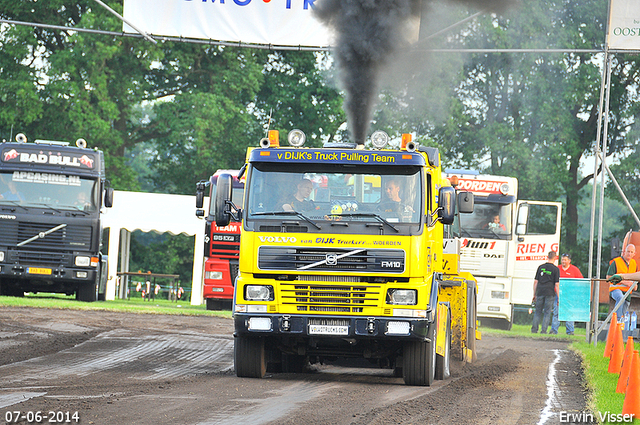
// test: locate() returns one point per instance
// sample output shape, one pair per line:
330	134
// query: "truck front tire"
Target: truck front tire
249	357
419	360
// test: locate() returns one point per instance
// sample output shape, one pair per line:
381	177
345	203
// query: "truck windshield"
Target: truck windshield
488	221
330	195
48	190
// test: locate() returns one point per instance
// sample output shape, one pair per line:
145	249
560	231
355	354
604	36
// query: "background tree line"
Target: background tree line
169	115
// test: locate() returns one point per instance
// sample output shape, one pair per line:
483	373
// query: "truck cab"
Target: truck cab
51	197
503	242
342	255
221	244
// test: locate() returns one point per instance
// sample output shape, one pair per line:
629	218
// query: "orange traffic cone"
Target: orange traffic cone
607	346
631	404
617	351
626	367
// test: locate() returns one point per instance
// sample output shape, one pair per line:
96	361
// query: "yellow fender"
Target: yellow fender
441	329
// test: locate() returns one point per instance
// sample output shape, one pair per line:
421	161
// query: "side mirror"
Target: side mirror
522	219
223	198
446	204
200	188
108	197
465	202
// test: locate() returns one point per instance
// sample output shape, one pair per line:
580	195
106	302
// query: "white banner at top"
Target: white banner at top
268	22
624	25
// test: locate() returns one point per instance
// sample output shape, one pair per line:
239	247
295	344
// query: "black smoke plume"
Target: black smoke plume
368	34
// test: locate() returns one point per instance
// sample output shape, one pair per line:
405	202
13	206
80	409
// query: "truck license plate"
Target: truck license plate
38	270
328	330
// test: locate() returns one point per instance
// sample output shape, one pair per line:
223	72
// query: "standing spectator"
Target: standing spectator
545	289
623	264
566	270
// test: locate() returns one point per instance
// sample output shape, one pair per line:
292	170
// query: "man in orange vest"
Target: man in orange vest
621	265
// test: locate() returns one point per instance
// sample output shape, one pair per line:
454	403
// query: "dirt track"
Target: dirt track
147	369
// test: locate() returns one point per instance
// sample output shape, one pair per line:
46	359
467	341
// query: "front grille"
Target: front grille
329	278
67	238
331	259
329	322
285	228
224	245
330	298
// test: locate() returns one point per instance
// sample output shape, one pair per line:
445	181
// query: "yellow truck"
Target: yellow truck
333	265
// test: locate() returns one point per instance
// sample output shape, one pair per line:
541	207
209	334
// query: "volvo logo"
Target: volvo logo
332	259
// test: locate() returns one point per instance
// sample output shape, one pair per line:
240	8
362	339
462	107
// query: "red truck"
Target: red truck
221	245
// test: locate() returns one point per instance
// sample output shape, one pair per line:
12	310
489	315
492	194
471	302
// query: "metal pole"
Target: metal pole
604	156
602	187
624	197
442	31
618	304
279	47
594	310
116	14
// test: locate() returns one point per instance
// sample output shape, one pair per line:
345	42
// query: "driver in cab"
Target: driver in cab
299	201
495	224
393	204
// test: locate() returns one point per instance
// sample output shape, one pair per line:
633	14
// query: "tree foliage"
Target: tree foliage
170	114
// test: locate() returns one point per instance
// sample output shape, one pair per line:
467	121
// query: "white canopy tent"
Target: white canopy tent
152	212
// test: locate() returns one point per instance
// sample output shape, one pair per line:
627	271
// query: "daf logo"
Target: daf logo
332	259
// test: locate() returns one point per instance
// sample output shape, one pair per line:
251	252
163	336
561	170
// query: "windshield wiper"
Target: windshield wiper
376	216
302	216
16	203
79	210
466	231
48	206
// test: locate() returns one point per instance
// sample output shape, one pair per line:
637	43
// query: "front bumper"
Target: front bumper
340	327
59	274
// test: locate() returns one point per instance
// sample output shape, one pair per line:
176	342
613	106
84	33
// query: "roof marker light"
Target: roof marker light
272	140
406	138
379	139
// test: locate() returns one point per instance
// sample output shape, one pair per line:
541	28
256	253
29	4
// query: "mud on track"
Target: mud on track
144	369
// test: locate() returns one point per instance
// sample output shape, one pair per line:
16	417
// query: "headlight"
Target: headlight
83	261
402	296
213	275
501	295
1	255
258	293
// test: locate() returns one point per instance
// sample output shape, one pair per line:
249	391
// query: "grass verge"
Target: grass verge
137	305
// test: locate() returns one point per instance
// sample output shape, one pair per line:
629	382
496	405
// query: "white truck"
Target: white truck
503	242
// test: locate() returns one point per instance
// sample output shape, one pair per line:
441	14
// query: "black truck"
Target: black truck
51	196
